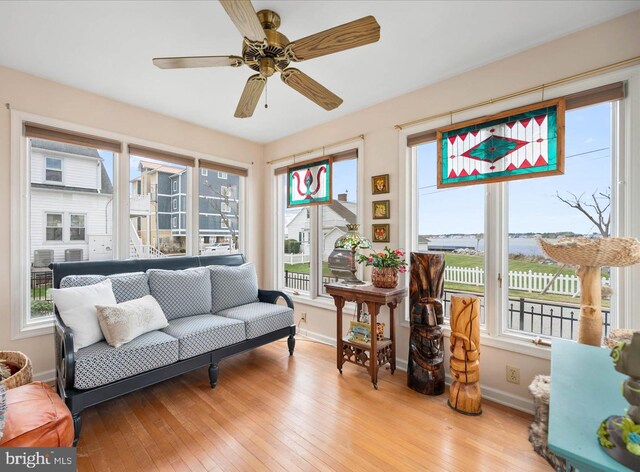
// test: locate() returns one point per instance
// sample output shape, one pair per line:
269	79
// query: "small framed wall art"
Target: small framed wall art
309	183
380	184
380	233
380	210
516	144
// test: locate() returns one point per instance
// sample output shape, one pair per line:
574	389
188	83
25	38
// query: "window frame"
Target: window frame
314	296
47	227
222	175
83	227
204	172
61	170
22	326
625	173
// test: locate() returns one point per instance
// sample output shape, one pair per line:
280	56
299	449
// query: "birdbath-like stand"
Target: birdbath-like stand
590	255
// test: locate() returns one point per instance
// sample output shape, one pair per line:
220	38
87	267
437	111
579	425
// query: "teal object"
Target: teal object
585	389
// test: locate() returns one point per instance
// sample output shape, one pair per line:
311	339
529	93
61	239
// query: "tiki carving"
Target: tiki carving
425	372
464	363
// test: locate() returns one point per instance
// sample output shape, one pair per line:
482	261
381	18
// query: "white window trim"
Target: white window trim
84	226
174	203
204	172
174	186
276	260
627	222
20	192
61	170
225	207
222	175
46	226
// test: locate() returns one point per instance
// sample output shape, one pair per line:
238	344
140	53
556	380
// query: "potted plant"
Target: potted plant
386	266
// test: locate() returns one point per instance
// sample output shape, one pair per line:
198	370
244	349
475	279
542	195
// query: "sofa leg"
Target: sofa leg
77	426
213	375
291	342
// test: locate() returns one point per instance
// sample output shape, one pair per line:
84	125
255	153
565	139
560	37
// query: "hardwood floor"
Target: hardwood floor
275	412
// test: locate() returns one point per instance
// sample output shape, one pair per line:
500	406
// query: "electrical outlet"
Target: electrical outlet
513	375
303	316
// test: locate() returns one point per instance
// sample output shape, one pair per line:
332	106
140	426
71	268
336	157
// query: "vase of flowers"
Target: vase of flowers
386	266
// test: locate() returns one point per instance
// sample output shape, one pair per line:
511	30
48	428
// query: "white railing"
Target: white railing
563	284
140	204
144	251
296	258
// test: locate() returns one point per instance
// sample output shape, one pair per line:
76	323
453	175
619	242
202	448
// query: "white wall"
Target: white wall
77	171
598	46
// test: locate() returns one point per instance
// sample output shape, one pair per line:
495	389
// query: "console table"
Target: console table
378	353
585	389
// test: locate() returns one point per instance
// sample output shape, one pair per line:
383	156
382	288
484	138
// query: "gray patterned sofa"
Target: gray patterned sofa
214	310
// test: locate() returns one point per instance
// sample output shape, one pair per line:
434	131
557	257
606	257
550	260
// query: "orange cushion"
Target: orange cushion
36	417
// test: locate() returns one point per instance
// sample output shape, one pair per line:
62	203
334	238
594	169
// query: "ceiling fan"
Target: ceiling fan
268	51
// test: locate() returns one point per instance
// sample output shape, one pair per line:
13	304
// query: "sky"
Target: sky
533	205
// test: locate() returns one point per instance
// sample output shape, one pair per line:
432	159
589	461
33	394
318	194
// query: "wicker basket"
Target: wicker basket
23	376
602	252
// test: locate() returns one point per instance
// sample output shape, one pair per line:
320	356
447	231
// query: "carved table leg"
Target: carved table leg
392	334
340	356
373	359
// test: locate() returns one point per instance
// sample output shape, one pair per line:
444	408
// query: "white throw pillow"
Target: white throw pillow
126	321
77	308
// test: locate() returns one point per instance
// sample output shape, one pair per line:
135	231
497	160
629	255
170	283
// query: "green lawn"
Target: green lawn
304	268
461	260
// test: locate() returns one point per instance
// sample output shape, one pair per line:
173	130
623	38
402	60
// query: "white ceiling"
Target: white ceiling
106	48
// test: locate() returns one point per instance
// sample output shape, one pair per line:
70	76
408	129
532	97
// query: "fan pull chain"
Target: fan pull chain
266	94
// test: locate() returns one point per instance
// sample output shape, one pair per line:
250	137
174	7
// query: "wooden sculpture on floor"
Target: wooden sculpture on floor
425	370
464	363
590	255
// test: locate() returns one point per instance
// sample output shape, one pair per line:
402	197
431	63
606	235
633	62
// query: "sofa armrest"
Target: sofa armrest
65	357
271	296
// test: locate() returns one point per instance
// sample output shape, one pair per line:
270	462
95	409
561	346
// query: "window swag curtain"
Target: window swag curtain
605	93
337	157
39	131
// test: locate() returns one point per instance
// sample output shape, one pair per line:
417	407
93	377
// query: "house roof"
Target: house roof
160	167
65	187
46	145
343	212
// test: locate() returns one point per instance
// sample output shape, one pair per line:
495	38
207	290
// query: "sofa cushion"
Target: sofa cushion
181	292
204	333
100	364
260	318
77	308
232	286
127	286
126	321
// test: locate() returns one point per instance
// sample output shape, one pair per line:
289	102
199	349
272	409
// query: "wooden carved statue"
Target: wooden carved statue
425	370
620	435
464	363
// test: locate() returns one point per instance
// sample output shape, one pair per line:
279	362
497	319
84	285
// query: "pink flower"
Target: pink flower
402	269
370	259
399	252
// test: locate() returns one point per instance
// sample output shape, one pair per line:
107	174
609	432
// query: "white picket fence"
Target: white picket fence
296	258
526	281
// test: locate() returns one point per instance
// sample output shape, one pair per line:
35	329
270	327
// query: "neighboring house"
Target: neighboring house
335	218
164	224
71	202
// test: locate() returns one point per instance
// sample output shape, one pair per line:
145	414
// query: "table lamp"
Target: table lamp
342	260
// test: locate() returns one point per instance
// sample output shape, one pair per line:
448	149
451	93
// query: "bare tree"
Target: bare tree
230	217
595	208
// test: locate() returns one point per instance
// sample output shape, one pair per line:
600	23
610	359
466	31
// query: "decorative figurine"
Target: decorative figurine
425	371
464	364
620	435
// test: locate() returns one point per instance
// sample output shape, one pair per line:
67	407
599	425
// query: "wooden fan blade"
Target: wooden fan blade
350	35
197	61
244	17
250	96
301	82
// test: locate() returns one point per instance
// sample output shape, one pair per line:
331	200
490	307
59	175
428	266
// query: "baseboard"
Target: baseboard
45	376
493	394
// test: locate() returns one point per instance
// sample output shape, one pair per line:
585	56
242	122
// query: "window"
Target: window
222	175
77	228
532	295
308	234
54	227
204	172
452	220
220	215
162	229
53	170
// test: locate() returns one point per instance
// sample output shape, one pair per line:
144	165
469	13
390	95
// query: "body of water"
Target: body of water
527	246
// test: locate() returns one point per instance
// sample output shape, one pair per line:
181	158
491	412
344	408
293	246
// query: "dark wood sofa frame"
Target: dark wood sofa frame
78	400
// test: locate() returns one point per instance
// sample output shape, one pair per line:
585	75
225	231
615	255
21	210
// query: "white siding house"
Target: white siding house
71	202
